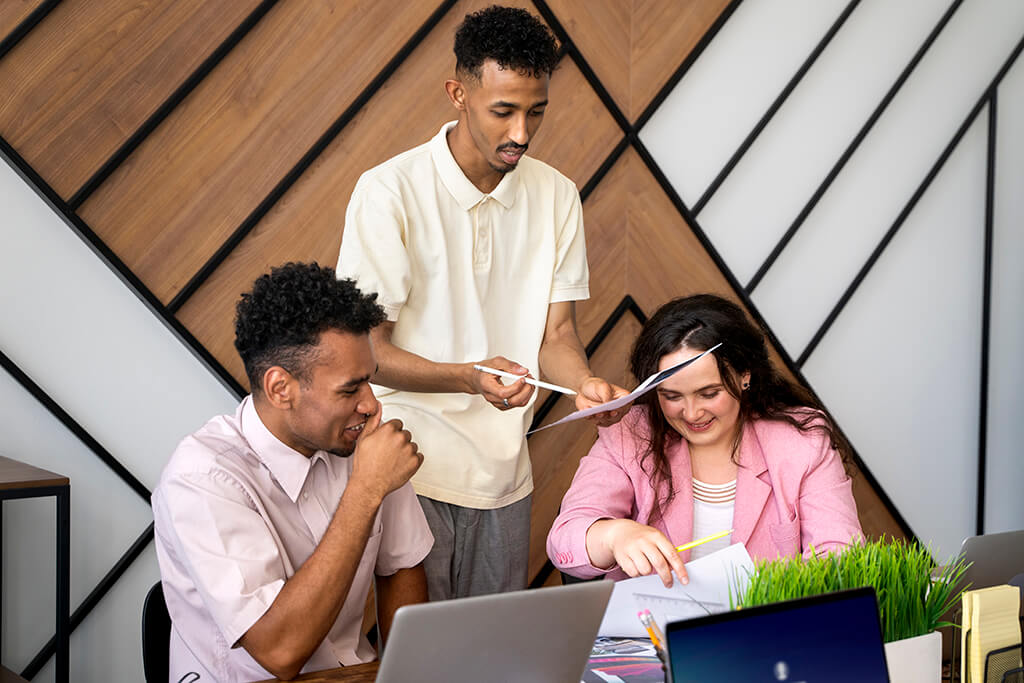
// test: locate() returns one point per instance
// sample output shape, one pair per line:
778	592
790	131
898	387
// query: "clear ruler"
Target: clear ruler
665	609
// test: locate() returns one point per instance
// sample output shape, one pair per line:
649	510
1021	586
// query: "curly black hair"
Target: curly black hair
280	321
512	37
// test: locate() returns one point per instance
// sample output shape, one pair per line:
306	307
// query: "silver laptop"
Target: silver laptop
544	634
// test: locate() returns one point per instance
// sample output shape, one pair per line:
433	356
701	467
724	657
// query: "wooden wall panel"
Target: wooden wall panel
189	186
664	33
13	12
93	71
556	452
602	32
307	223
634	47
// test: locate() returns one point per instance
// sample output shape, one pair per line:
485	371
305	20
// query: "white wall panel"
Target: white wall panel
846	226
900	367
770	185
72	325
724	94
95	656
106	517
1004	509
91	343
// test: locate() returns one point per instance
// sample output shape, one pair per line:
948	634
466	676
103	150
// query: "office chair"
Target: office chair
156	636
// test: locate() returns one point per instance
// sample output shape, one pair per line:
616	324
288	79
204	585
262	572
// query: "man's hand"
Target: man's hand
593	392
385	457
514	394
640	549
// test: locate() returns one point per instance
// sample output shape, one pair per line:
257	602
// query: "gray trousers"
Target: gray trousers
476	552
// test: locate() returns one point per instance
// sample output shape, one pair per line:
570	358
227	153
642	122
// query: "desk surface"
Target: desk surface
18	475
361	673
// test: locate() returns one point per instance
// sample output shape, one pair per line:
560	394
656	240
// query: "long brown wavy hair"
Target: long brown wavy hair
699	322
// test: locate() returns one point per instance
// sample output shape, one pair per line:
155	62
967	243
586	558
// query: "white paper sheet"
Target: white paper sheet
645	386
708	591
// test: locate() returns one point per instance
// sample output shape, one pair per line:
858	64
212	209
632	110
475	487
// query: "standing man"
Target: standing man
272	523
477	254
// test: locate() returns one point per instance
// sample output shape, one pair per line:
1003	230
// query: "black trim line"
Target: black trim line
289	179
112	261
909	207
72	426
689	61
986	309
26	25
91	600
169	105
774	108
603	169
776	251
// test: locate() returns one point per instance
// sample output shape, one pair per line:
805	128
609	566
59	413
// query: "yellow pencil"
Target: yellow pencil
701	541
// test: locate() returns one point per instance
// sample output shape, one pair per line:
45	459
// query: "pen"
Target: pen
701	541
528	380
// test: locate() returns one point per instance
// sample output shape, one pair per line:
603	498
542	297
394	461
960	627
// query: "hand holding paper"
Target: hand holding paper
621	401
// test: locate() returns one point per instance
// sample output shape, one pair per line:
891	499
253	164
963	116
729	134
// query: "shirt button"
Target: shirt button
305	496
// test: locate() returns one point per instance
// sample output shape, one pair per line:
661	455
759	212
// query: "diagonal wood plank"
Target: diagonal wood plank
193	181
307	223
93	71
602	32
13	12
664	33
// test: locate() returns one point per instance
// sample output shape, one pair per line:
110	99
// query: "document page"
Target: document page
711	579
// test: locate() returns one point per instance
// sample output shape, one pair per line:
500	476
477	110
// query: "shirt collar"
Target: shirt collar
289	467
461	188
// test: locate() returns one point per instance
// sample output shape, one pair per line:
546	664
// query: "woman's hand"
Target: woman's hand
638	549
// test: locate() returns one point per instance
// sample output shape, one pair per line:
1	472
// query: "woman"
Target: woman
725	443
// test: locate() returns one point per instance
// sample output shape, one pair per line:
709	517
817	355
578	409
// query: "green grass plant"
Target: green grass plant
912	596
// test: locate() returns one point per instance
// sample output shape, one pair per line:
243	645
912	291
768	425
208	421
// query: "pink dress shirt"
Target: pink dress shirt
236	513
792	494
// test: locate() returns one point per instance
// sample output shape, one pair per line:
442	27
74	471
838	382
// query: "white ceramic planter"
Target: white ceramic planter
915	660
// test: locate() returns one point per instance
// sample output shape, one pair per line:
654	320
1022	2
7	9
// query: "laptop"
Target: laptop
538	635
834	637
995	559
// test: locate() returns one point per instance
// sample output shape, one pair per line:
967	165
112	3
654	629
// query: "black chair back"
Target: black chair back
156	636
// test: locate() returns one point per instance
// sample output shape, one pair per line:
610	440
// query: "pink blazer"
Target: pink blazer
792	494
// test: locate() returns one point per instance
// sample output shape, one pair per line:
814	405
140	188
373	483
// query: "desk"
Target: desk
361	673
18	480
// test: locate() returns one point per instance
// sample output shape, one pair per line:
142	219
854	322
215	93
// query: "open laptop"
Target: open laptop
995	559
538	635
834	637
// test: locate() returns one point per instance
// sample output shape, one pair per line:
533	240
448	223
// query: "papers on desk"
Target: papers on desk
645	386
712	577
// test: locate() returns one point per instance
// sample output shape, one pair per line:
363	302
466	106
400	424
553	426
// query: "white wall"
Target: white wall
900	368
73	326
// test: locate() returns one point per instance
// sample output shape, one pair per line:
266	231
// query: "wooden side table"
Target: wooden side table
18	480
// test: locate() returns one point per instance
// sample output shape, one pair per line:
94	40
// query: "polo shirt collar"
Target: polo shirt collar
455	181
289	467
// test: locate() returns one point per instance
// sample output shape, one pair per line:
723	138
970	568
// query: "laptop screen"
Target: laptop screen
834	637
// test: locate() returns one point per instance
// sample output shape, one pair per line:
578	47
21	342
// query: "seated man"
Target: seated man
271	523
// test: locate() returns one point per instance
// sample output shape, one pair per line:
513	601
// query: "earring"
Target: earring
746	385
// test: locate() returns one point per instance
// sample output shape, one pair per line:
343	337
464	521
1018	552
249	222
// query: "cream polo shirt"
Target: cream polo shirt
465	276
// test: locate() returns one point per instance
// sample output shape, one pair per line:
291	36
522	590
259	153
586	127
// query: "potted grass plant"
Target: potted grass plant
913	596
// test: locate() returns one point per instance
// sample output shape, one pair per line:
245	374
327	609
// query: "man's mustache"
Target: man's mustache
513	146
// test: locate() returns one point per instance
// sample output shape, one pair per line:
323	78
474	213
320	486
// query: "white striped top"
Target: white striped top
713	506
